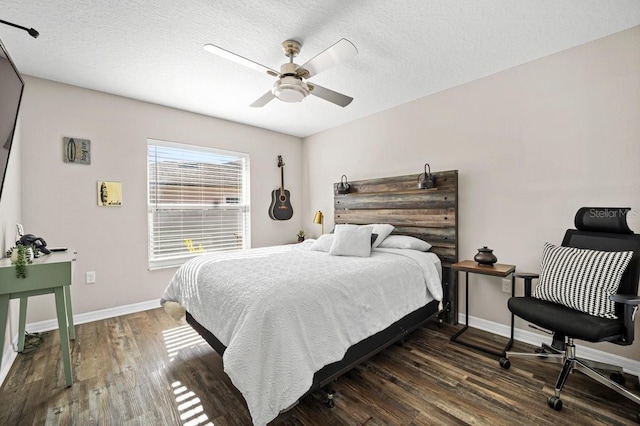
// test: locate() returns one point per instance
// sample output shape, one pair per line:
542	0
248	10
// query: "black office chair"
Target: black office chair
604	230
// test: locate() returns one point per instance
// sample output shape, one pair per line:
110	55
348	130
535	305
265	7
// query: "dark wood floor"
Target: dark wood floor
146	369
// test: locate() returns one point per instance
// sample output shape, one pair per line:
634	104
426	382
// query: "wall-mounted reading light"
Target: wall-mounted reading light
343	186
319	219
426	180
33	33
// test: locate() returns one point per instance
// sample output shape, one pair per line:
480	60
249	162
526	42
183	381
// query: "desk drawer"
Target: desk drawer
39	276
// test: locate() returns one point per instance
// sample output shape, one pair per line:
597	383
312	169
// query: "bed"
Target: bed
288	320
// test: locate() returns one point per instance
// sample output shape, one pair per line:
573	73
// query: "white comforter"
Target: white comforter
284	312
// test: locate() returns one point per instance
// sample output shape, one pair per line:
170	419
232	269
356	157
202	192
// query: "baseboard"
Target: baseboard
52	324
629	365
9	355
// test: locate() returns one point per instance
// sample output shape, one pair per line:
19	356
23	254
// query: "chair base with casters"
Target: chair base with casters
567	324
567	358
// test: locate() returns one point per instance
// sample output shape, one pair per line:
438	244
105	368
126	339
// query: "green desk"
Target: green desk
50	273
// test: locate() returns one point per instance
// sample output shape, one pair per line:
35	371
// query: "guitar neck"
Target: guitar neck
281	179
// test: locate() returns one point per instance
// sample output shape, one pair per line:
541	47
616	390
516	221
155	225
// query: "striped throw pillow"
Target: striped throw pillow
581	279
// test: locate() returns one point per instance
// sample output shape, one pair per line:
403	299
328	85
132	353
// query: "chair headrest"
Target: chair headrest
603	219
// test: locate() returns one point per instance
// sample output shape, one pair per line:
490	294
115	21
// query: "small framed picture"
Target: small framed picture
76	150
109	193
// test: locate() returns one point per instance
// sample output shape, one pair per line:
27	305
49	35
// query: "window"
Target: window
198	201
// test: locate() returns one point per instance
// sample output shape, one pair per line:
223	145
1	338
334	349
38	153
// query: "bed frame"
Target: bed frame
428	214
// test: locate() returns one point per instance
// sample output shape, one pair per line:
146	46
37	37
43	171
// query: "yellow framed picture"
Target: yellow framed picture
109	193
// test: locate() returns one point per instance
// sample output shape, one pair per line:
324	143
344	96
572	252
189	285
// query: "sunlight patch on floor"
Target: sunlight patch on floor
189	405
179	338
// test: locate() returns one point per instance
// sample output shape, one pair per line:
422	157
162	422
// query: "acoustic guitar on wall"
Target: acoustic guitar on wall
280	208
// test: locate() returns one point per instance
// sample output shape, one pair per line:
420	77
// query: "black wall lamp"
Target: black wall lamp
426	180
343	186
33	33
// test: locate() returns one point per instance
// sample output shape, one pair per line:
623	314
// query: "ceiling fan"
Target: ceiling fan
291	85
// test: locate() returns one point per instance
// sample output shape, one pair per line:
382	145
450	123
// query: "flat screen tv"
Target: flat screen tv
11	86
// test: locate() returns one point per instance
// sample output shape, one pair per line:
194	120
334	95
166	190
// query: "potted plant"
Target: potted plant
300	235
21	256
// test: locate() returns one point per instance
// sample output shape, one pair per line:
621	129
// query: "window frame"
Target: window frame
243	203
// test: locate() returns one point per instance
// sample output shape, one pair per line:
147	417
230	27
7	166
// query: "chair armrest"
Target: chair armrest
631	303
627	299
527	277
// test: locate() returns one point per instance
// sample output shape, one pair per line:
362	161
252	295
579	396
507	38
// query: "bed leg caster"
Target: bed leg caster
330	402
330	393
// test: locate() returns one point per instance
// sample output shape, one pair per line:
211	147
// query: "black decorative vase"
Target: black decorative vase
485	256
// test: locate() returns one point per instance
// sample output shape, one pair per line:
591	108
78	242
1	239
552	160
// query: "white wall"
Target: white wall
532	144
59	199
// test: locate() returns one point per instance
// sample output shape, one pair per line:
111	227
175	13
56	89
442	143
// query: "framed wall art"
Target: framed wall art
76	150
109	193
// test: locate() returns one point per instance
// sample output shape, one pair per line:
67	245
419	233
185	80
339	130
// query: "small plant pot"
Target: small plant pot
28	252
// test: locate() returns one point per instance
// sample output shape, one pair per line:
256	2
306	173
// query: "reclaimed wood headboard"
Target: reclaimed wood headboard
428	214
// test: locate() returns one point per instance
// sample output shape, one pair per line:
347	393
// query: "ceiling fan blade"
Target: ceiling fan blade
330	95
340	51
263	100
239	59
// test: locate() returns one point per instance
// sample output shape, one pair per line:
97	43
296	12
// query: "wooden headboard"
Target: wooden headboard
428	214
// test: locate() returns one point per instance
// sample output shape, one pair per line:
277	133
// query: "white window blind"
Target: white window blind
198	201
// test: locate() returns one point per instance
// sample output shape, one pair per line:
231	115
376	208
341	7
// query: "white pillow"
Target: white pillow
404	242
383	230
351	240
323	243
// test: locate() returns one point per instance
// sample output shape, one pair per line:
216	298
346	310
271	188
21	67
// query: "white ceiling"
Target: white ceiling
152	50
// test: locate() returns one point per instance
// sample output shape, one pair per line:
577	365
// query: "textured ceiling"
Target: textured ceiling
152	50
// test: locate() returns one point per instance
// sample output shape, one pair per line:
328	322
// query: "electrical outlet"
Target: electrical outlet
90	277
506	285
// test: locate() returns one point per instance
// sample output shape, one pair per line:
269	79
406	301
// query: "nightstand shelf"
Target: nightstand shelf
496	270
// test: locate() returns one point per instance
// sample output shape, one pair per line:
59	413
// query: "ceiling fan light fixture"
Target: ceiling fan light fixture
290	89
291	85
